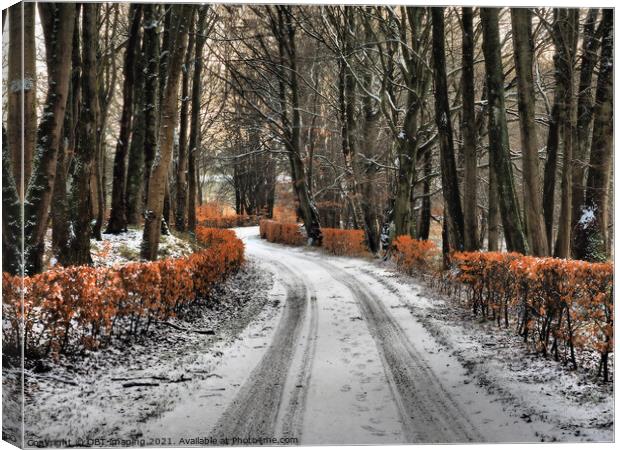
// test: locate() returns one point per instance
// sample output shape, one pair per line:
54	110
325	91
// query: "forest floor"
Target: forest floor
313	349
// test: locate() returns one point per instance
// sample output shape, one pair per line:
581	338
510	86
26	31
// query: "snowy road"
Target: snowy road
344	362
313	349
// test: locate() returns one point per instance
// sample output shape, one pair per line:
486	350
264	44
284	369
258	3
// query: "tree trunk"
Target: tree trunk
86	151
567	39
182	161
468	126
589	59
60	207
22	80
169	115
593	223
493	216
12	222
424	225
449	178
532	190
498	133
135	161
118	214
287	50
151	93
57	21
347	97
194	133
417	80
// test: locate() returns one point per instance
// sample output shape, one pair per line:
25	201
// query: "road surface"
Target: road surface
343	362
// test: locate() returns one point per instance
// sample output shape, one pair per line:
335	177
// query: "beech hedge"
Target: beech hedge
71	309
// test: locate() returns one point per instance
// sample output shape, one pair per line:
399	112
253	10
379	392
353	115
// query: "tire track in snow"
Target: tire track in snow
257	409
428	412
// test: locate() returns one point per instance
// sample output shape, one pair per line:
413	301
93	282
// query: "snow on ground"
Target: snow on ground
561	404
113	392
125	247
325	349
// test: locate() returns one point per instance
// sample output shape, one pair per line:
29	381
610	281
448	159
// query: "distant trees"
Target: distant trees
393	119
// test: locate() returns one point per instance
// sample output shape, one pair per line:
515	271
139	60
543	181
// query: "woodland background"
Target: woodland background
482	128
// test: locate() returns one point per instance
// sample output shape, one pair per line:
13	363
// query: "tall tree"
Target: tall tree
12	223
468	127
57	22
566	37
180	15
498	133
593	224
21	117
86	150
285	32
532	191
60	201
589	58
347	100
135	160
194	138
449	178
117	222
151	92
413	41
182	160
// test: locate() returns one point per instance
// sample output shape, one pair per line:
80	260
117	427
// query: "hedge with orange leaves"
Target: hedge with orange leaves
344	242
412	255
560	306
70	309
212	216
282	233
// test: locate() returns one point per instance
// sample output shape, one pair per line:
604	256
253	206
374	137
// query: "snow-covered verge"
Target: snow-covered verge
125	247
562	404
112	392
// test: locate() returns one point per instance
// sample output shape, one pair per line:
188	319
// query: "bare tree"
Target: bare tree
169	117
532	191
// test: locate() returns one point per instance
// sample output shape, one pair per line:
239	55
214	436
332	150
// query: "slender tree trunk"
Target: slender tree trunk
169	115
12	222
589	58
288	55
567	38
424	225
182	162
22	123
532	190
107	83
347	98
592	232
135	161
417	79
60	207
151	93
194	137
86	151
57	21
498	133
449	178
468	126
118	214
493	217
